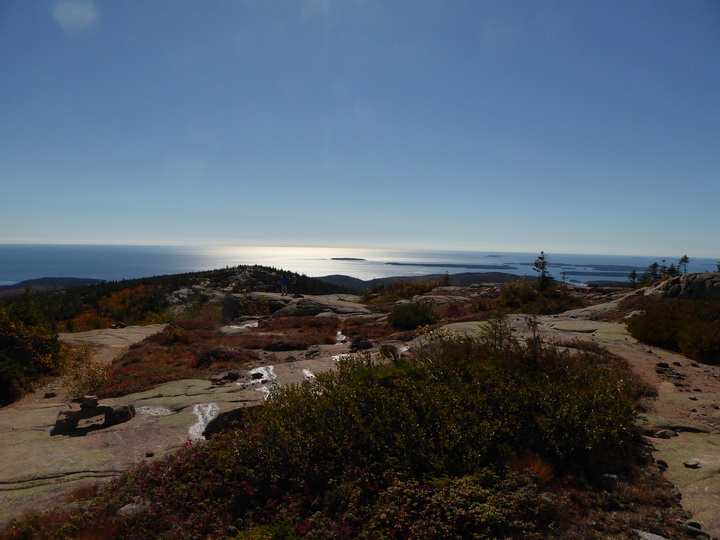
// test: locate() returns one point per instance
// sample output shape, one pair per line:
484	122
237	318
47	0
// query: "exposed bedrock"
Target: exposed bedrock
705	286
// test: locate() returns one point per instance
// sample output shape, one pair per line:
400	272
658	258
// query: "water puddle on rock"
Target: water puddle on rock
204	412
153	411
250	324
264	375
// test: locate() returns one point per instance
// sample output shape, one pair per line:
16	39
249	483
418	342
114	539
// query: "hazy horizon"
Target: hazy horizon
359	247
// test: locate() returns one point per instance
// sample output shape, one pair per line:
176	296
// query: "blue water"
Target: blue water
19	262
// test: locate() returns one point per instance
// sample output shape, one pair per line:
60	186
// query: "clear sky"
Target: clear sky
565	126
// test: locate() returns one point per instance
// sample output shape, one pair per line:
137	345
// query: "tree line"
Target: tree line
657	271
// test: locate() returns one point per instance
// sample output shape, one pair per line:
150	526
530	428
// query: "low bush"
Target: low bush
399	290
640	302
290	340
525	297
221	356
174	333
478	305
326	323
689	327
28	350
368	329
515	294
454	310
411	316
244	307
86	375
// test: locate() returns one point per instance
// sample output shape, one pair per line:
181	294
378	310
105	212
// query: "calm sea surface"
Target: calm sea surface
19	262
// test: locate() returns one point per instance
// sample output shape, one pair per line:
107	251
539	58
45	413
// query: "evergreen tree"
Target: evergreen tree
654	271
633	278
544	278
683	262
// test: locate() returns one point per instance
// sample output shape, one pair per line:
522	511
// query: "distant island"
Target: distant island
347	259
458	265
46	284
460	280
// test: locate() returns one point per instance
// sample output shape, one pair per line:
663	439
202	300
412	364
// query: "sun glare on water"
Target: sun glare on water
312	261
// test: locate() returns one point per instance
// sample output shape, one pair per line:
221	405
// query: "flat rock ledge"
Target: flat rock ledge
299	305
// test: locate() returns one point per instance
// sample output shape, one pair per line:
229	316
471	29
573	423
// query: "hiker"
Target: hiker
283	285
295	283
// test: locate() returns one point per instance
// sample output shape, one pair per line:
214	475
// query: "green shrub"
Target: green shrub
689	327
397	290
701	340
86	375
28	350
481	505
208	356
478	305
526	297
411	316
390	352
174	333
515	294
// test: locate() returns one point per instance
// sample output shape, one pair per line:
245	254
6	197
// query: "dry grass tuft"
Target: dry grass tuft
530	462
82	492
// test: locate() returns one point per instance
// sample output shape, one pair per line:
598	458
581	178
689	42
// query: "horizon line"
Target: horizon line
404	247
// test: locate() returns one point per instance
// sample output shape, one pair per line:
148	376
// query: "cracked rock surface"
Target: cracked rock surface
38	468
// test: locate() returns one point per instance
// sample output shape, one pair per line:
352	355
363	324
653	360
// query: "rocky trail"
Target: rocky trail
38	469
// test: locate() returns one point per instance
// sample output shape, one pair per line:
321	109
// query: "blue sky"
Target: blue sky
564	126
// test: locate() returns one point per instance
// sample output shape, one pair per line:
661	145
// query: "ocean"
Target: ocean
19	262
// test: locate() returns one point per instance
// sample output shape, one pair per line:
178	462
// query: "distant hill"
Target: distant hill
461	280
46	284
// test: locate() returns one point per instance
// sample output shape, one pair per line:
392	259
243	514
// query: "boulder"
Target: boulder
304	307
299	305
133	509
274	302
441	300
224	377
224	421
88	402
68	421
118	415
361	344
704	286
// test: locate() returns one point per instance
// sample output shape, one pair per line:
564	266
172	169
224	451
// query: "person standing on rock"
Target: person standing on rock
283	285
295	283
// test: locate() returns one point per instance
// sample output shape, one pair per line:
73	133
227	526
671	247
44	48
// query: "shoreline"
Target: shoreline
21	262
